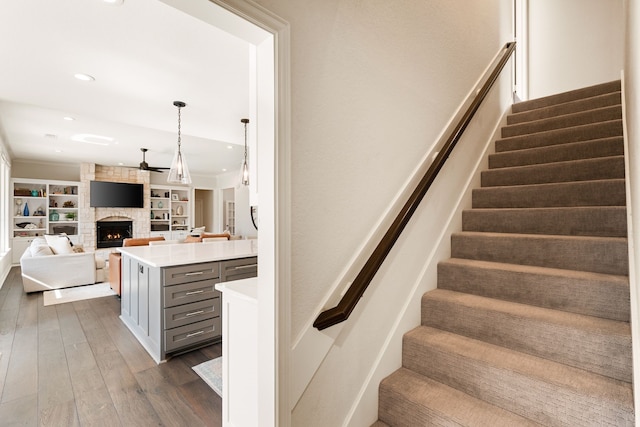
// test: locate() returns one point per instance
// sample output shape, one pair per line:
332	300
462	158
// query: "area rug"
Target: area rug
211	372
77	293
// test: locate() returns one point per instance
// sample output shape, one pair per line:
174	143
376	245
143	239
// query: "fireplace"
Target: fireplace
110	234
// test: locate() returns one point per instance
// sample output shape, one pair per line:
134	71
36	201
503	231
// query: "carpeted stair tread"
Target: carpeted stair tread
604	147
597	345
560	136
410	399
575	170
547	392
609	192
593	294
607	255
568	96
602	114
584	104
574	221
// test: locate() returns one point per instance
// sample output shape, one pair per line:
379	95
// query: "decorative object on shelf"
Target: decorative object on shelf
174	197
245	166
54	216
179	172
160	205
68	204
70	216
25	212
18	204
34	193
39	212
179	210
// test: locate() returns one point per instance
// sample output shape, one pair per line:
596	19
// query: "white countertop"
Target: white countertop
192	253
245	288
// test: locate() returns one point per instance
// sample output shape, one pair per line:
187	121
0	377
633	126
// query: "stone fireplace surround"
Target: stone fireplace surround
87	216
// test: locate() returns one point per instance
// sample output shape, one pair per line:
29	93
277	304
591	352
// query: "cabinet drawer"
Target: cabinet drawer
237	269
190	273
191	313
194	333
189	292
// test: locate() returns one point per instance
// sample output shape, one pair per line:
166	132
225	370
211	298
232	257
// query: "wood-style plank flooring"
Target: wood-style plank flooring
76	364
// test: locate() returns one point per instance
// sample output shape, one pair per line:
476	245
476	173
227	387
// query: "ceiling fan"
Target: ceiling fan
144	166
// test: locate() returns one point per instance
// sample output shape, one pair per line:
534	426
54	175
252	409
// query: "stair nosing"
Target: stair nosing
536	269
525	369
564	104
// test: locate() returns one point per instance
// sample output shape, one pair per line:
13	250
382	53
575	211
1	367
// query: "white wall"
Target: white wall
632	97
372	86
573	44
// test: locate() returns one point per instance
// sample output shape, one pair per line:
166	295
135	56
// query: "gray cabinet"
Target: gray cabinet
236	269
172	309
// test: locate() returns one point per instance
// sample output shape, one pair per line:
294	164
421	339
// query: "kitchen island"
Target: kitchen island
169	301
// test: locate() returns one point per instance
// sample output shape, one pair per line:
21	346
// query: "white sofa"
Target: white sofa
43	269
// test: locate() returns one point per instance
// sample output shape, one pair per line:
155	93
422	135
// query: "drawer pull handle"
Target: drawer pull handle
194	273
194	334
195	292
241	267
193	313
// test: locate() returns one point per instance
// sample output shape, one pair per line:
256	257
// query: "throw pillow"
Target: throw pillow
197	231
41	249
59	243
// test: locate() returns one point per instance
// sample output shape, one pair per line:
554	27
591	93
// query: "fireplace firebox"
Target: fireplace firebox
110	234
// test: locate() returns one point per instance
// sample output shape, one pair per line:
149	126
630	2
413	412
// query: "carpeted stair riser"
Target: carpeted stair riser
598	345
530	317
569	96
582	193
561	122
610	221
607	255
560	136
576	170
541	390
605	147
409	399
592	294
585	104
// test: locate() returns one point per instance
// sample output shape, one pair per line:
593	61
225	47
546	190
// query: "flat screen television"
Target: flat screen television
105	194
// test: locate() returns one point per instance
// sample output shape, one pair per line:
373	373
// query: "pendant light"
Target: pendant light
179	172
245	165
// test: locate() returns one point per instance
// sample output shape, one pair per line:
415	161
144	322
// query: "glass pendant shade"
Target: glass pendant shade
179	171
245	173
244	178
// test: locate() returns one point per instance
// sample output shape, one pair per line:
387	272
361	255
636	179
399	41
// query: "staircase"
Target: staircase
530	321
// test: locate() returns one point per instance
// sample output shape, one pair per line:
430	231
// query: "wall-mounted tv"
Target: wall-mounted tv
105	194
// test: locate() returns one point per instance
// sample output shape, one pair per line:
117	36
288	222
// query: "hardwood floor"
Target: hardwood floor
76	364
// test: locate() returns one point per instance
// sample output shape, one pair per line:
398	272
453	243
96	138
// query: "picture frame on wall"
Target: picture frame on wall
174	197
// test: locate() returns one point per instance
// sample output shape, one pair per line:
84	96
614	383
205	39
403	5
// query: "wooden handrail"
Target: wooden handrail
341	312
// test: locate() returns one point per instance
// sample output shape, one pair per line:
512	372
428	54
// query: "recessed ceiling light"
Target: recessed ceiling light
114	2
84	77
50	135
57	150
92	139
230	147
69	119
224	169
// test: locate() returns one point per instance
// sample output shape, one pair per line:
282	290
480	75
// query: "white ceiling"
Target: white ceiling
144	55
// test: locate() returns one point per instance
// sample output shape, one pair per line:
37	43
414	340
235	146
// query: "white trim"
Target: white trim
633	284
275	211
